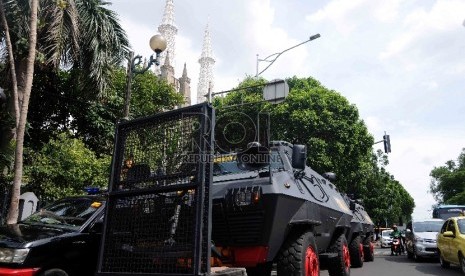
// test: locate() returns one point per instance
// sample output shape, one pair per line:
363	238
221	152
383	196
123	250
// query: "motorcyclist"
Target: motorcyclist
395	234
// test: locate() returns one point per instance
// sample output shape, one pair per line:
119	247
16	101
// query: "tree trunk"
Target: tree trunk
21	127
11	61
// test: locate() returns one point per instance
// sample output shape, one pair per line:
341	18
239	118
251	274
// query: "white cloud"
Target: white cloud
414	155
386	11
443	17
431	84
339	12
400	62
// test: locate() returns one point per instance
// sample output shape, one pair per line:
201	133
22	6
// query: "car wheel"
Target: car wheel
442	262
54	272
409	254
415	255
462	262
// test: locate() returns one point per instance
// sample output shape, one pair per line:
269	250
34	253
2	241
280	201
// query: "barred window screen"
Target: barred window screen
157	218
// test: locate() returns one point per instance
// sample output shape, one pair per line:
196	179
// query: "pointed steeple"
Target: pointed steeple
184	71
206	68
168	30
167	71
185	87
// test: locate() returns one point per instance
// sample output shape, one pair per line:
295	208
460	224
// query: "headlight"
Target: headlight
418	239
8	255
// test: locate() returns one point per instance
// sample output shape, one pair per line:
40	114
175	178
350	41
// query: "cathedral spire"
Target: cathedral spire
168	30
206	68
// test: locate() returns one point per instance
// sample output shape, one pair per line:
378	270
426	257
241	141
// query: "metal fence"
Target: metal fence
158	210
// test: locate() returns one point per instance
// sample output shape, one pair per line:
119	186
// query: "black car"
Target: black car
61	239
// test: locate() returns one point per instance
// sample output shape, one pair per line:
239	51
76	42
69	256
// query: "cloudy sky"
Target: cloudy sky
401	62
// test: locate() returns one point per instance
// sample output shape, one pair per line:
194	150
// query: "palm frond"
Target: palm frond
105	43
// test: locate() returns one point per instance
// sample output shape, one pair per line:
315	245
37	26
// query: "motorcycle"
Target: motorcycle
396	247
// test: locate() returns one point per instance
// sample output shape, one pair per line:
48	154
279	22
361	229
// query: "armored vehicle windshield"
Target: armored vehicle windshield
240	164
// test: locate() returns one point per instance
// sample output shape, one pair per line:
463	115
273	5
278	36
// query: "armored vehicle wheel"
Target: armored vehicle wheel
299	256
356	252
340	265
260	270
368	250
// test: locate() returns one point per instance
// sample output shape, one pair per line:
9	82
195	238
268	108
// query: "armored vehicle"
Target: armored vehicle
173	204
361	234
268	206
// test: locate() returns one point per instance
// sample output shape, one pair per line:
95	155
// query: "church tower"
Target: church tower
206	68
168	30
167	71
185	87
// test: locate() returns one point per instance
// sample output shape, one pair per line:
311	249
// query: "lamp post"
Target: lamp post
158	45
272	58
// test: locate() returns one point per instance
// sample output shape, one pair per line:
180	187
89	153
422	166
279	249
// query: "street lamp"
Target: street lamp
272	58
158	45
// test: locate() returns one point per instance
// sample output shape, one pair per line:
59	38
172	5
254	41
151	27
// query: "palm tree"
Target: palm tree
82	36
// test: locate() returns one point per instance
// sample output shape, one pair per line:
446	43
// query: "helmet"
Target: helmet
394	226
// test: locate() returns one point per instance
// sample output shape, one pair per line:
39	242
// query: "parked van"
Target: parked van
420	238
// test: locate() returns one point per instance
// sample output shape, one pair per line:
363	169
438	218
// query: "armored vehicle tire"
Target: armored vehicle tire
260	270
54	272
368	250
340	265
299	256
356	252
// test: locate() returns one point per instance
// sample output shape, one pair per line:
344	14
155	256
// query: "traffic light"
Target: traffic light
387	143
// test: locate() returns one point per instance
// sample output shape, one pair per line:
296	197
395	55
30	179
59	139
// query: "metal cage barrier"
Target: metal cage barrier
157	220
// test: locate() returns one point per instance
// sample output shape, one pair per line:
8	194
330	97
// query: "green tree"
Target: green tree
64	167
386	199
21	89
94	122
81	35
337	139
448	182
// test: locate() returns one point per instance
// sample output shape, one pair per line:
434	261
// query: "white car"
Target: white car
421	238
386	239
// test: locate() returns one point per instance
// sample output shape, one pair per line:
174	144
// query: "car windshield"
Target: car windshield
461	224
386	233
69	212
427	226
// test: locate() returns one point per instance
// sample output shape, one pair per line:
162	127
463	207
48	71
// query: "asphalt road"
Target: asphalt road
386	265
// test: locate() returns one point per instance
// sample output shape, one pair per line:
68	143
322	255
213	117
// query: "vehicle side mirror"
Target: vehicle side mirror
408	230
449	234
299	156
